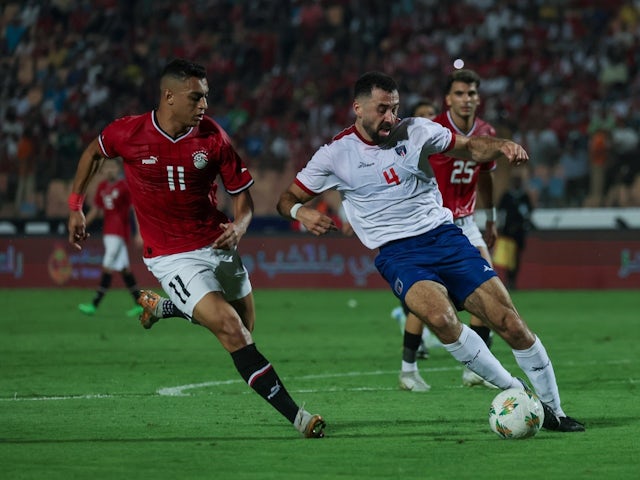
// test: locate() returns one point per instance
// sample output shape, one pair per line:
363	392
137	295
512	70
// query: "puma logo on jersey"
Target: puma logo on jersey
150	161
487	268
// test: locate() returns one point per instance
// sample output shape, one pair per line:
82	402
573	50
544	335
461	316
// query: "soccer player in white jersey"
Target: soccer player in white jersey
391	199
460	182
172	156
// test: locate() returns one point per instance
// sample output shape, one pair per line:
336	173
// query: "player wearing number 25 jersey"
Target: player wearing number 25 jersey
175	175
457	178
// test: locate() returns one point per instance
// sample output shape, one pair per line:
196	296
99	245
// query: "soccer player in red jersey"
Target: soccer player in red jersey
459	182
172	156
113	201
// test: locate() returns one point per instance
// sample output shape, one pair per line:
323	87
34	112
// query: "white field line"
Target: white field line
181	390
16	398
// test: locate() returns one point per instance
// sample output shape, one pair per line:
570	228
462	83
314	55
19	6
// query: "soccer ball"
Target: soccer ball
516	413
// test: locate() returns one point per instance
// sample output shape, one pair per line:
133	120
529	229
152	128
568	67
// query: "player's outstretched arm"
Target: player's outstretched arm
483	149
89	164
291	205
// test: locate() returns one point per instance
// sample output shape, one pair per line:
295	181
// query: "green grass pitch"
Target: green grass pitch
101	398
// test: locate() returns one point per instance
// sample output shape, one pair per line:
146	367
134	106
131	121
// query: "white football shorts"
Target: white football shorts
189	276
470	229
116	256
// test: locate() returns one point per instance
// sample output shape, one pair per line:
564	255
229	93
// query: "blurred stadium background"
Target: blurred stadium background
561	77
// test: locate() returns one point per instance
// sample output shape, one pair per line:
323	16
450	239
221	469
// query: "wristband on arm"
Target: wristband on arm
294	210
75	202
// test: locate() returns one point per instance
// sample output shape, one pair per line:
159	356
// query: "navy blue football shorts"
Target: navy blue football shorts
443	255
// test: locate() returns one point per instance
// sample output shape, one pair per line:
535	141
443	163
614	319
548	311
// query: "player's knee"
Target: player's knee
230	330
446	326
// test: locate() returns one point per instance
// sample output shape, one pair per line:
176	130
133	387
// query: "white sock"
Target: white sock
159	310
409	367
535	363
473	353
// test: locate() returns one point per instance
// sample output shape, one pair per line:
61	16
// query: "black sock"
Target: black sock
105	283
410	345
130	282
484	332
262	377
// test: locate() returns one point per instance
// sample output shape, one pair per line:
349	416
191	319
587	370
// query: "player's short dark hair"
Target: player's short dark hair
182	69
463	75
370	80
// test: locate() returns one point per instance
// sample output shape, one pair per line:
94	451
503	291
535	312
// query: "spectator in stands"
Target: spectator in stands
26	187
599	151
556	186
538	185
574	160
11	130
51	50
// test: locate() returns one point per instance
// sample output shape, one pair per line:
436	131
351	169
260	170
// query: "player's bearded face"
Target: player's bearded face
380	114
377	131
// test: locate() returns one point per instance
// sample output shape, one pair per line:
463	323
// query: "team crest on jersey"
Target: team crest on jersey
401	150
200	159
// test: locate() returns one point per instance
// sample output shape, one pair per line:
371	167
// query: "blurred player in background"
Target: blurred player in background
112	201
425	108
459	181
172	157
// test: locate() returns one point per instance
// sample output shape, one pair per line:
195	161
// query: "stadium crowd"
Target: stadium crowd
560	77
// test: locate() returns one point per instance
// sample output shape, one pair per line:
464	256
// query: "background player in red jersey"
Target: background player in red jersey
112	201
459	182
172	157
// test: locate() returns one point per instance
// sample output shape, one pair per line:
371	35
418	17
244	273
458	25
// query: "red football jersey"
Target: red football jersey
457	178
115	201
171	179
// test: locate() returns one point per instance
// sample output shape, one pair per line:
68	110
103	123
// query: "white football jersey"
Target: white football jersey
389	190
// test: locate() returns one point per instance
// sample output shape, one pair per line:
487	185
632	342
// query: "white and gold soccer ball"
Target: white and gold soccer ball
516	413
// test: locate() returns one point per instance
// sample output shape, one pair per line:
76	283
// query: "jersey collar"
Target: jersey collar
455	127
154	120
